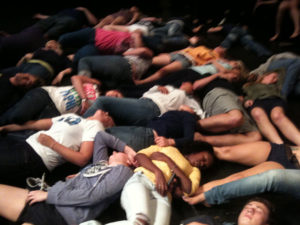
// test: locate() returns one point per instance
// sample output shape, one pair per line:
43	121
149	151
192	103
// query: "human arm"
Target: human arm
40	16
25	58
77	82
141	51
198	84
160	181
248	103
89	15
184	180
43	124
80	158
61	75
135	17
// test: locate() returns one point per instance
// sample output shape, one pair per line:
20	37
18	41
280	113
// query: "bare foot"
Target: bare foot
275	37
295	34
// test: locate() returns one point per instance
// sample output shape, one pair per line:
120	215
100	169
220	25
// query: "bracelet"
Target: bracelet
83	99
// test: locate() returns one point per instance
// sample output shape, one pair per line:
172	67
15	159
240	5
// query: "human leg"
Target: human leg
17	157
265	126
285	125
136	137
22	112
13	203
295	15
229	139
126	111
143	203
249	43
283	6
284	181
104	68
161	60
249	154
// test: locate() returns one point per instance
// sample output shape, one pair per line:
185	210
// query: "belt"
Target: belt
44	64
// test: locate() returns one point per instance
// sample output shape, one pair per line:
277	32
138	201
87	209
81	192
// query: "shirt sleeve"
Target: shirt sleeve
189	126
91	128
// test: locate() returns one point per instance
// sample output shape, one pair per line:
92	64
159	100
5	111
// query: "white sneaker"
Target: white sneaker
91	222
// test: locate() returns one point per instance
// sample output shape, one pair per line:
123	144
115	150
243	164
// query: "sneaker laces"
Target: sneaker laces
37	182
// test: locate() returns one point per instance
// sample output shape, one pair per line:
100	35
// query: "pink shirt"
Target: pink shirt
112	42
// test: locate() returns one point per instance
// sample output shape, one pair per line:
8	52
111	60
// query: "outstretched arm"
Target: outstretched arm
89	15
43	124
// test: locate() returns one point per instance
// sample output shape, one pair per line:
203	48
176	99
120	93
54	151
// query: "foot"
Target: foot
274	38
295	34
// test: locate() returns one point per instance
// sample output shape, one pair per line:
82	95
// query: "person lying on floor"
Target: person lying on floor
81	197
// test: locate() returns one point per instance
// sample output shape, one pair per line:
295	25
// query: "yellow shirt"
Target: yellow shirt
193	173
199	55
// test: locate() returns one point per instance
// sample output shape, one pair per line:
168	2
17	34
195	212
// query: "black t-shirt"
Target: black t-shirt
9	94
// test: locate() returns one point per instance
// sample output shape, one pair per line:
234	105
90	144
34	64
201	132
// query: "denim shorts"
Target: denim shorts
185	62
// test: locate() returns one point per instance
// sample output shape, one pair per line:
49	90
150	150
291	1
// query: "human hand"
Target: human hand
84	106
163	90
131	156
46	140
161	184
248	103
163	142
71	176
36	196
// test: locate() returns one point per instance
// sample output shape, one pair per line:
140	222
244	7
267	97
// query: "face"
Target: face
187	87
114	93
270	78
202	160
104	118
24	80
254	213
118	158
233	75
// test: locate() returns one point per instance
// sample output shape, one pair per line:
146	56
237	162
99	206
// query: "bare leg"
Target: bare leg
249	154
284	5
12	201
295	15
161	60
285	125
229	139
222	122
265	126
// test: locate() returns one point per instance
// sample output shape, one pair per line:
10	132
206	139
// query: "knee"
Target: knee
257	113
254	136
236	118
141	219
277	115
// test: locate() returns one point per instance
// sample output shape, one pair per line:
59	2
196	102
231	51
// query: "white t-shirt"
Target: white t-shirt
67	99
69	130
173	100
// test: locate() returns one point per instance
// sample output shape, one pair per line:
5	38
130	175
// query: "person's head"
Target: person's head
25	80
104	118
199	154
257	211
55	46
232	75
117	158
270	78
187	87
114	93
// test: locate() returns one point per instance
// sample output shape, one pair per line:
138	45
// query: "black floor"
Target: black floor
288	208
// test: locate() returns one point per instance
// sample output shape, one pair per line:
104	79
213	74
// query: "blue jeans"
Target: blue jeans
238	33
35	104
291	80
83	41
136	137
126	111
104	68
284	181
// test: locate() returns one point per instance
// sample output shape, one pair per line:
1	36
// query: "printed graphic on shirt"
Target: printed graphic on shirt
71	98
71	120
